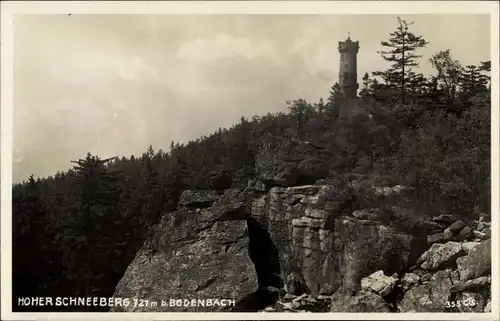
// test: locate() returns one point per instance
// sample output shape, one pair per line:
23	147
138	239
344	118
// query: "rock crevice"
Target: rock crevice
301	248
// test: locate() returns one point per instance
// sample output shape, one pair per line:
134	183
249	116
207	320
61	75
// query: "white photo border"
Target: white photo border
11	8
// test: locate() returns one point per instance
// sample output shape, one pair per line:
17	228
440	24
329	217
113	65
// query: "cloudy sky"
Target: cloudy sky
113	84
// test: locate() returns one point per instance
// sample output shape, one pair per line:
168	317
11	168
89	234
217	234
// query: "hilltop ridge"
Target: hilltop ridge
319	182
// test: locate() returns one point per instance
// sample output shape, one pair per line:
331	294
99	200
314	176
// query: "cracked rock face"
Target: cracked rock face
462	286
289	248
324	250
192	255
477	263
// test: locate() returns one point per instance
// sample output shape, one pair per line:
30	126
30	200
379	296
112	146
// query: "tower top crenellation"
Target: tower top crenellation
348	45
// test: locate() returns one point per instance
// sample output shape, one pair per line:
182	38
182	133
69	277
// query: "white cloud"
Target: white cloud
73	74
226	46
88	67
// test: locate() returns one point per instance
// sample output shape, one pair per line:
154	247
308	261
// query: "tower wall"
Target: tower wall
348	77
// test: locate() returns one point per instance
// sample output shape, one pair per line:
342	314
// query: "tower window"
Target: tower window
346	65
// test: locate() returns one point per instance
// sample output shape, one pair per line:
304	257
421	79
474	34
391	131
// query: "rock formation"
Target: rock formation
195	252
292	241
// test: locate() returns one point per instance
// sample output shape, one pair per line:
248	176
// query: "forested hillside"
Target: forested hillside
75	233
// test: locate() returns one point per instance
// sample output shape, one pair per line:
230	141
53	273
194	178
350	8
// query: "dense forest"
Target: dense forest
75	233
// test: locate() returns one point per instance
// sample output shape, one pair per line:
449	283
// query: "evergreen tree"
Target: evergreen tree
474	81
367	82
334	101
402	46
97	191
320	105
300	110
32	235
153	192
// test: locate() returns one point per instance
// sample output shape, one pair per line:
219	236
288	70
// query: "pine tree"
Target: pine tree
365	90
335	97
334	101
152	191
300	111
97	190
473	82
31	237
416	87
485	69
320	105
402	46
150	152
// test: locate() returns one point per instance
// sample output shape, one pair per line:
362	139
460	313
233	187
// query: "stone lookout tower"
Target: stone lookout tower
348	77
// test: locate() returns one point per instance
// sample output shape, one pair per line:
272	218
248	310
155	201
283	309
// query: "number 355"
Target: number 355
469	302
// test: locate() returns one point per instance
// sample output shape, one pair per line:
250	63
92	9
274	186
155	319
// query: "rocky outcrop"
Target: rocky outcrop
454	277
435	283
477	263
441	255
320	247
438	283
189	254
309	248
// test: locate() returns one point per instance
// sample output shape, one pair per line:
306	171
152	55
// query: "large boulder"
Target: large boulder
379	283
441	255
468	246
194	253
477	263
457	226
